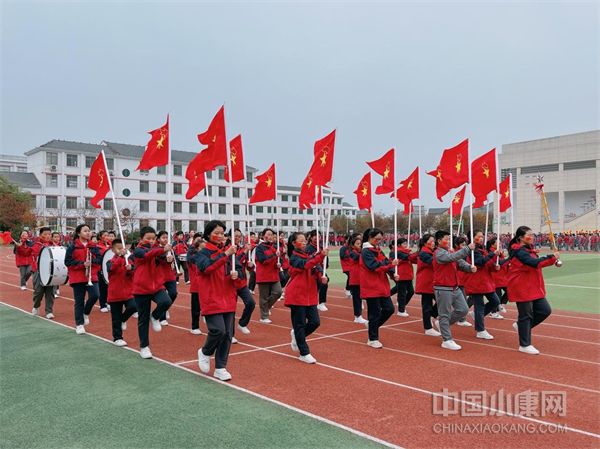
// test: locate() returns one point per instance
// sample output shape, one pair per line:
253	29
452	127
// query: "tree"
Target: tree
15	207
340	224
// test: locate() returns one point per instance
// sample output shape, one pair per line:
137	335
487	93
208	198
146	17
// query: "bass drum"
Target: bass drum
51	266
109	254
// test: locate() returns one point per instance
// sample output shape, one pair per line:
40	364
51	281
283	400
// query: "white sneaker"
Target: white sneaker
322	307
203	361
164	323
23	287
243	329
308	358
464	323
196	332
529	350
233	340
485	335
502	309
104	309
35	311
124	326
265	321
451	344
360	320
516	326
167	315
156	327
403	314
375	344
145	353
80	330
496	316
293	343
432	333
120	342
57	292
50	316
86	319
222	374
108	307
136	315
348	294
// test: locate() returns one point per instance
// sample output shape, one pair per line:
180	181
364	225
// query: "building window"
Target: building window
90	222
250	191
309	223
126	172
71	223
284	198
284	223
177	170
249	176
71	182
161	187
51	158
89	160
88	204
539	168
294	223
579	165
209	188
71	202
284	210
259	222
162	170
144	172
206	208
144	206
259	209
236	209
144	186
126	192
72	160
51	180
53	222
51	202
192	225
222	209
177	225
161	225
222	192
107	204
294	210
108	224
221	173
177	189
193	208
209	174
110	163
236	192
161	206
177	207
249	210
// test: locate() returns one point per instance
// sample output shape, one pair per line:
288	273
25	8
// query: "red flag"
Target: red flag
5	238
483	177
236	155
408	190
195	176
322	166
504	193
453	169
157	149
266	187
384	166
363	193
310	193
457	202
98	180
215	154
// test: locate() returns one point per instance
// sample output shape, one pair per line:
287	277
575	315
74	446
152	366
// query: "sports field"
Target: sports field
63	390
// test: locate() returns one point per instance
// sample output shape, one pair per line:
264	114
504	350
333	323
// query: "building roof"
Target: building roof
22	179
345	204
437	210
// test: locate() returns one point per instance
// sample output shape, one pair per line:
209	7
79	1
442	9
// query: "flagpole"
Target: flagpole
114	200
395	218
512	217
372	217
450	221
207	193
277	228
487	214
471	204
409	217
169	193
231	215
326	244
499	244
420	229
460	222
316	214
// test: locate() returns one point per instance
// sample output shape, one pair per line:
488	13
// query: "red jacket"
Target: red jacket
481	281
242	259
266	263
36	249
525	279
444	267
217	293
120	280
23	254
354	267
424	284
146	277
501	276
405	268
193	270
180	248
374	270
345	259
301	289
165	269
76	256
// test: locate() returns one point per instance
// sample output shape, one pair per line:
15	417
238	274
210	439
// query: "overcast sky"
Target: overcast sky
415	76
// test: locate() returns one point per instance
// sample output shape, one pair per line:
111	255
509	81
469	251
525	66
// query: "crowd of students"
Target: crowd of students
452	275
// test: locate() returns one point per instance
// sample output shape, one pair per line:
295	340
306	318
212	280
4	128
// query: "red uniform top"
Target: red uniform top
22	254
525	279
405	269
266	263
424	284
36	249
374	270
301	289
500	277
165	269
146	277
481	281
75	257
218	293
180	248
120	280
193	270
444	267
354	267
345	259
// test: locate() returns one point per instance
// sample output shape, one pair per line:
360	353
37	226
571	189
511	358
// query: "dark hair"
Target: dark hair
211	226
53	234
490	243
146	230
252	233
520	232
196	235
458	241
370	233
291	240
116	241
439	235
101	233
179	233
112	232
237	230
264	231
475	231
354	238
161	233
424	240
400	241
78	229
